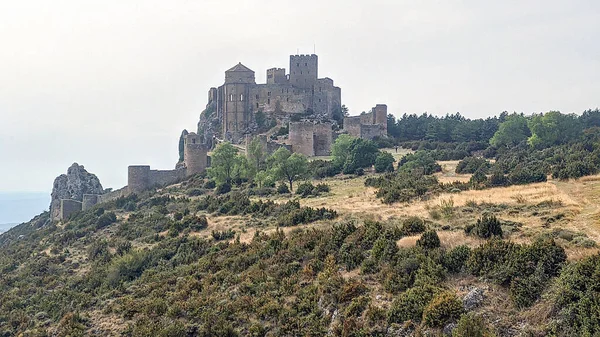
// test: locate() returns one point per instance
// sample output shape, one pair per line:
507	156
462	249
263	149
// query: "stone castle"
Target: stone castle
300	100
240	97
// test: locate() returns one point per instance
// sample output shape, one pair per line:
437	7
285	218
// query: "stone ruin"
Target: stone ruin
79	190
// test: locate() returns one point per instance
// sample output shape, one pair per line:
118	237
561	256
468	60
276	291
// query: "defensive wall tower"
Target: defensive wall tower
380	112
88	201
276	76
304	70
138	178
301	136
194	154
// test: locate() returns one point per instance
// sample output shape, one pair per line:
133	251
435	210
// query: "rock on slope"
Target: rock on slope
73	185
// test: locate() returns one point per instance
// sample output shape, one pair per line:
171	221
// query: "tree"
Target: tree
384	162
511	132
223	161
553	128
341	149
362	154
182	144
287	166
256	154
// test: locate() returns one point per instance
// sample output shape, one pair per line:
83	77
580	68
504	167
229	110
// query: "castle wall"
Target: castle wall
165	177
278	98
110	196
323	139
68	207
352	126
301	137
370	131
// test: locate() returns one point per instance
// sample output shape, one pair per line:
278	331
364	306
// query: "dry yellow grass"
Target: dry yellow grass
448	240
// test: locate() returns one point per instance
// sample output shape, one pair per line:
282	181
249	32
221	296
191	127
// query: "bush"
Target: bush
429	240
223	188
443	308
210	184
305	189
283	189
413	225
576	297
487	226
526	174
471	325
455	260
421	161
472	165
194	192
384	162
410	304
105	220
322	188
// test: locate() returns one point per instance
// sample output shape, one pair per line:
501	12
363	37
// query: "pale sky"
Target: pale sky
113	82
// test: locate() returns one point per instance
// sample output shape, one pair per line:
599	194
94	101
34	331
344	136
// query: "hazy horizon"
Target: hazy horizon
111	84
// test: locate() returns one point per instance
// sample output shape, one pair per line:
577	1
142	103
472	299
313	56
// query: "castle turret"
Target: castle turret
138	178
380	112
194	154
304	70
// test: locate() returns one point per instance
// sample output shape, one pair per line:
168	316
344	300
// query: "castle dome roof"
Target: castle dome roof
239	67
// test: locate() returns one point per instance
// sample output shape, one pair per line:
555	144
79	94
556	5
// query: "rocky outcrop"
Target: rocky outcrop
73	185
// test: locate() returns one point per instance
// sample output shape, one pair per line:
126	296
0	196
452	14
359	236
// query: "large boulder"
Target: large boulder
73	185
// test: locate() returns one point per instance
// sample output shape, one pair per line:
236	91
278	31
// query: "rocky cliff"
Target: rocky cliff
73	185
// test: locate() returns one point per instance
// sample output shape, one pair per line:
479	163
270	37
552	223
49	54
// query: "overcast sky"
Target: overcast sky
113	82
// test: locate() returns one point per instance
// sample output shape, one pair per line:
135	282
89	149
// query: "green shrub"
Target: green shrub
283	189
223	188
322	188
486	227
210	184
410	304
106	219
577	299
305	189
413	225
472	165
456	259
471	325
429	240
384	162
444	308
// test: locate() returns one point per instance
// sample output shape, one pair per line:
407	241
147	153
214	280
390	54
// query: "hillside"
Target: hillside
458	228
169	264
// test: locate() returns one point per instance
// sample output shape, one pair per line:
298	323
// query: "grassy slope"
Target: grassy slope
568	211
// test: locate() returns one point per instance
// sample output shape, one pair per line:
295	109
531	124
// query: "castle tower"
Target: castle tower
276	76
380	112
138	178
194	154
236	101
304	71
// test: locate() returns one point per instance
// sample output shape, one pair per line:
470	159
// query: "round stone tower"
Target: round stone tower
194	154
138	178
